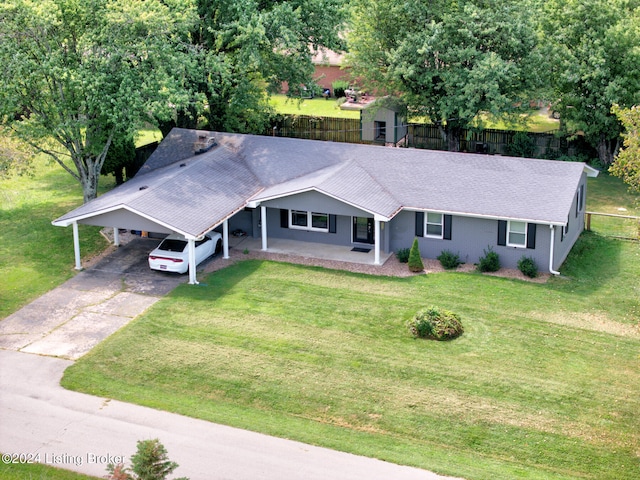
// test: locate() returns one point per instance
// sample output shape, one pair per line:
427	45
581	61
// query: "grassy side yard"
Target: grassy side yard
542	385
34	255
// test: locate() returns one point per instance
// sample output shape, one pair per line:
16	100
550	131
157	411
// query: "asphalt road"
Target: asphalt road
39	420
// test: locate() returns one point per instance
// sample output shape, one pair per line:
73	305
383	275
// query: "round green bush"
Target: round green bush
436	324
490	262
528	267
449	260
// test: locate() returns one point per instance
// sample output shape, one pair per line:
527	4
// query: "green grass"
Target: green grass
542	385
37	471
609	193
34	255
318	107
538	122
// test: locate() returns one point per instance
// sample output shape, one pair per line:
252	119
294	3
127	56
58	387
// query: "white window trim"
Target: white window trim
517	245
309	226
426	223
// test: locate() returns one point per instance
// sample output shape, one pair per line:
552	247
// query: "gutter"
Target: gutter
551	243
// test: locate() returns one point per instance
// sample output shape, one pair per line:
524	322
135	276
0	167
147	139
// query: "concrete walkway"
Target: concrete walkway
46	423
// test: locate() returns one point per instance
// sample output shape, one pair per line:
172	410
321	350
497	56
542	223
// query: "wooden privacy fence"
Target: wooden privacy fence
331	129
613	225
543	145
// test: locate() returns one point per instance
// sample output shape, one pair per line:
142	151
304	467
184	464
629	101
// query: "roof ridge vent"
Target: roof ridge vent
204	143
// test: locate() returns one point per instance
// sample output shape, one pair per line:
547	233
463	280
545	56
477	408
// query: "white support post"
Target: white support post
263	229
116	236
192	262
225	239
76	245
376	224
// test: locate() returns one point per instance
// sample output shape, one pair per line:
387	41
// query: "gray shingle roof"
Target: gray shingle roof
212	186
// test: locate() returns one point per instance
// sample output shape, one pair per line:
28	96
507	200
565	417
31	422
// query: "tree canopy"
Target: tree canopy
75	74
594	57
627	164
449	61
249	48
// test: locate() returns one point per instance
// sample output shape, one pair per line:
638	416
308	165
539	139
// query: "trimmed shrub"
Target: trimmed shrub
339	86
415	261
523	145
449	260
528	267
403	255
490	262
436	324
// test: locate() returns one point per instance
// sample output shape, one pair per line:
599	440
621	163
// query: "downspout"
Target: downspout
552	242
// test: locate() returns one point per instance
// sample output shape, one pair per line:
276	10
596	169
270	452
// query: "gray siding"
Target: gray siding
563	243
469	238
316	202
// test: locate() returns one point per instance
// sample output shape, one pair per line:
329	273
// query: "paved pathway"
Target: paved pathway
40	419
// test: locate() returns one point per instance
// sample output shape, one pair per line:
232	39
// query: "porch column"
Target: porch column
116	236
376	244
225	239
192	262
76	245
263	226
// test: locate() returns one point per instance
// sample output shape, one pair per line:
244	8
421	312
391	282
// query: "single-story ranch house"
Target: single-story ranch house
351	195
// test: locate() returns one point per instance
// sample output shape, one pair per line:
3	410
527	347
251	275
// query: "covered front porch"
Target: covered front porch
321	251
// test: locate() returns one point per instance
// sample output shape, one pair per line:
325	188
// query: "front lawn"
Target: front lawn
38	471
542	385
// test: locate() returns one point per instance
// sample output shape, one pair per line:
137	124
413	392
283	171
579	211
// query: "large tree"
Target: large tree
75	74
449	61
248	48
594	48
627	163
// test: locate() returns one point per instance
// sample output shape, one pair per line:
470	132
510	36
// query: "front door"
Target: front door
362	230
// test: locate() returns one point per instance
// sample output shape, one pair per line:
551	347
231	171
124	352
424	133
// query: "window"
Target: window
433	225
517	234
304	220
319	221
298	218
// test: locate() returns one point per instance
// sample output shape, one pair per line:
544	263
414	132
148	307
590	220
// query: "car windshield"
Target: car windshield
172	245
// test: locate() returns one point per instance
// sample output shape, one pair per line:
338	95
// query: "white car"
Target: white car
172	255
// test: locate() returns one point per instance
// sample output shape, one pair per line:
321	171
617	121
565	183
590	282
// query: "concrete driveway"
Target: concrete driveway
73	318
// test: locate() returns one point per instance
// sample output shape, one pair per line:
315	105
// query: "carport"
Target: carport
174	192
150	226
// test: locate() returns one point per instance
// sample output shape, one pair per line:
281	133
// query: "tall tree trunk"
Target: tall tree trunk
454	132
607	149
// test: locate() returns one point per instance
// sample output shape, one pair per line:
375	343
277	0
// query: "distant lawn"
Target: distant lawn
542	385
319	107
